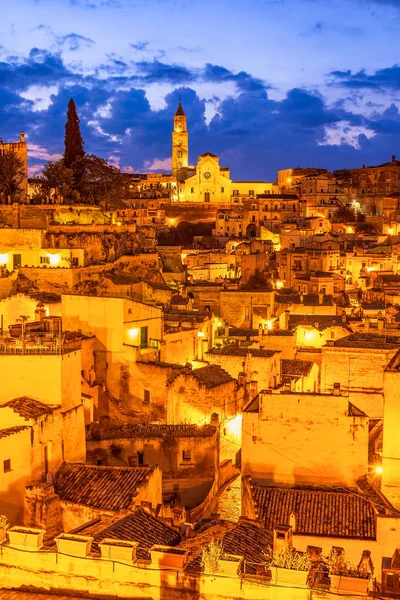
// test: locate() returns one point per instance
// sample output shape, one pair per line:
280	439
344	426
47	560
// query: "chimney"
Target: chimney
21	137
393	158
381	325
320	298
283	537
301	298
336	389
344	319
366	325
284	320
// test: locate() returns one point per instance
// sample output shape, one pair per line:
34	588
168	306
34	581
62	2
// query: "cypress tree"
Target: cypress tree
73	139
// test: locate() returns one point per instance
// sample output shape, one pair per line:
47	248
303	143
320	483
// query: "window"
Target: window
45	260
17	260
206	196
186	455
192	190
179	154
235	193
7	465
222	190
140	459
251	192
389	580
129	311
146	397
75	261
179	142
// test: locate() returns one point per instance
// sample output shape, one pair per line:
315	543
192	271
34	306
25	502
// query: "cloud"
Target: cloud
382	79
74	41
140	46
159	164
254	134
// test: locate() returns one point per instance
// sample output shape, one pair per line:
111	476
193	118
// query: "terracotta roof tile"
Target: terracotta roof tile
296	367
139	527
131	430
250	541
211	376
233	350
342	514
368	340
108	488
28	407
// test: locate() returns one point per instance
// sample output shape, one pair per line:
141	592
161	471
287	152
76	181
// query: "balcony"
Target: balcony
37	345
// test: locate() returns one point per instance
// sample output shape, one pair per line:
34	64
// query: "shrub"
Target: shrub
211	555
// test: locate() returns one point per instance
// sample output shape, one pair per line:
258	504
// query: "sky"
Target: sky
265	84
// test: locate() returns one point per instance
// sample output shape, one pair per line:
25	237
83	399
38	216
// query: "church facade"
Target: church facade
207	182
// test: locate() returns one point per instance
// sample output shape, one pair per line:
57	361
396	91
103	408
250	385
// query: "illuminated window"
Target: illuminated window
179	154
7	465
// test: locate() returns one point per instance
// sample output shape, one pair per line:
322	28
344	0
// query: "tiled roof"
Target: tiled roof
139	527
250	541
233	350
179	300
368	340
308	299
319	321
11	430
211	376
296	367
317	512
28	407
108	488
132	431
253	406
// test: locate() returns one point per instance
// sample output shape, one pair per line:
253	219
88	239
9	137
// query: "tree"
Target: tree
258	281
74	151
101	183
12	174
57	177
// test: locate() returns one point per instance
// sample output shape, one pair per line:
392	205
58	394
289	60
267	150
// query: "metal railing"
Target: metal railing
18	346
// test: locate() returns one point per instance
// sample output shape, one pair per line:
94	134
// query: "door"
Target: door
17	259
144	337
206	196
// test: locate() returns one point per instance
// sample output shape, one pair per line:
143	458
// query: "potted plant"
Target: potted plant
289	566
215	560
344	576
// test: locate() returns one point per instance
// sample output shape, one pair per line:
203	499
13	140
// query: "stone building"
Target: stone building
87	491
260	366
20	149
304	439
195	394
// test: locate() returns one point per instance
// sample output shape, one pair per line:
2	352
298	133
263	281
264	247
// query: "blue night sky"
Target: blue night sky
265	84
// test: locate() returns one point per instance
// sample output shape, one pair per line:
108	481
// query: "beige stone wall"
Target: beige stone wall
165	452
16	448
237	307
180	347
391	438
51	379
189	402
266	370
359	369
304	439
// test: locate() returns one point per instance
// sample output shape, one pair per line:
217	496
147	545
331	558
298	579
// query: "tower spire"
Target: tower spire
180	111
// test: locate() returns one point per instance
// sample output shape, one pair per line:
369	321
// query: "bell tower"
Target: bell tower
180	141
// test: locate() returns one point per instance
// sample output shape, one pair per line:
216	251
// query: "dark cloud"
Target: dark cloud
253	134
382	79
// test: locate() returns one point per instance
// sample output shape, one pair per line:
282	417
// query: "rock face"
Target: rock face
99	246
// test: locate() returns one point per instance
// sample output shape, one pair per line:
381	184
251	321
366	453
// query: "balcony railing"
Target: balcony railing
37	346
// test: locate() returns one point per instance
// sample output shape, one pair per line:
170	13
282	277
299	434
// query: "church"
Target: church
208	181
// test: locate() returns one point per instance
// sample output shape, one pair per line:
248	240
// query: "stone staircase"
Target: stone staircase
124	413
